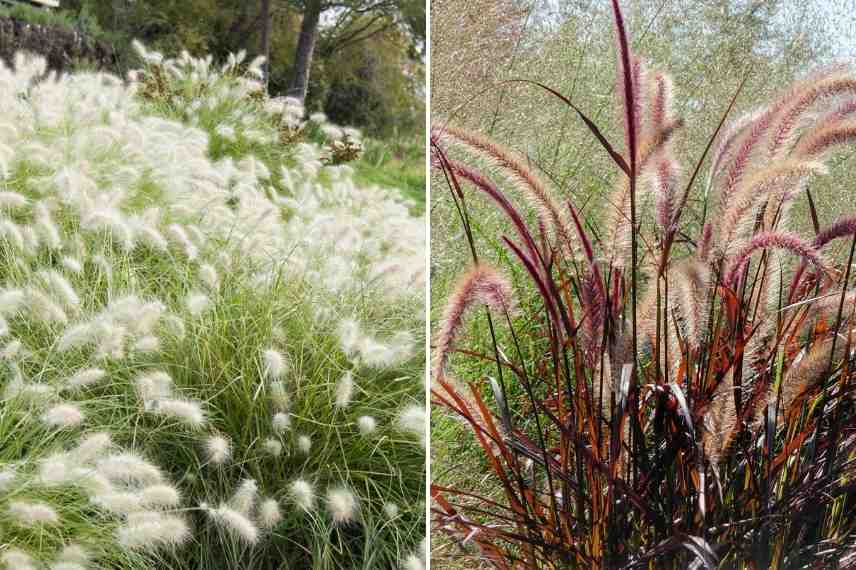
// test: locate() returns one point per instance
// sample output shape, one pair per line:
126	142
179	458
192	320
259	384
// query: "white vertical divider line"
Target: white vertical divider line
427	375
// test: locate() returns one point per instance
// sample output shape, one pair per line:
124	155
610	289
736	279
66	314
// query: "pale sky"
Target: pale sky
842	25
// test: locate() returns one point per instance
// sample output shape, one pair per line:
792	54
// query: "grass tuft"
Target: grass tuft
178	257
707	420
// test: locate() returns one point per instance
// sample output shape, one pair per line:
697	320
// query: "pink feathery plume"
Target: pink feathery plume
720	419
660	104
481	285
532	259
706	240
666	182
779	181
778	240
823	88
631	134
592	292
841	228
824	139
626	87
842	112
728	138
532	187
805	374
464	172
592	303
791	105
638	68
744	152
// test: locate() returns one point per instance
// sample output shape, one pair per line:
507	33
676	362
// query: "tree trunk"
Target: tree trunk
117	8
305	48
265	39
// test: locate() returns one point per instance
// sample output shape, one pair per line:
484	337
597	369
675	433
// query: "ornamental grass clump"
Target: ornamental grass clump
175	273
664	393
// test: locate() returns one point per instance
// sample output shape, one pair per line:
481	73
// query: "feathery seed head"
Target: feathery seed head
412	419
281	422
269	513
147	345
413	562
391	510
118	502
482	285
13	201
197	303
94	483
187	412
76	336
153	385
11	300
244	499
349	336
342	505
208	275
303	494
160	496
235	523
179	236
366	424
60	287
63	416
32	513
7	477
275	364
128	468
91	447
344	390
85	378
55	470
16	559
74	553
72	265
13	350
218	449
272	447
777	240
151	530
43	309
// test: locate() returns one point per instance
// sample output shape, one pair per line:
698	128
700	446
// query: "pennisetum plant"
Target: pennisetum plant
208	344
691	399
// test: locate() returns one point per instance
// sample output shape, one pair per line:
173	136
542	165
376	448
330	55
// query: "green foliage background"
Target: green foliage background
376	84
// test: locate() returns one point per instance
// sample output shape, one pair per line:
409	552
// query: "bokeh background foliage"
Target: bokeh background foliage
366	71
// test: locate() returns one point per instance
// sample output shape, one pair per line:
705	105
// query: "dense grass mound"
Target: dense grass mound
211	337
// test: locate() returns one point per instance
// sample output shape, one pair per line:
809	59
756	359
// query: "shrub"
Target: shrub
659	398
197	317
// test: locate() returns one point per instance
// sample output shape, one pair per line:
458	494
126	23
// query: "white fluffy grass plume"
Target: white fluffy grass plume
342	505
